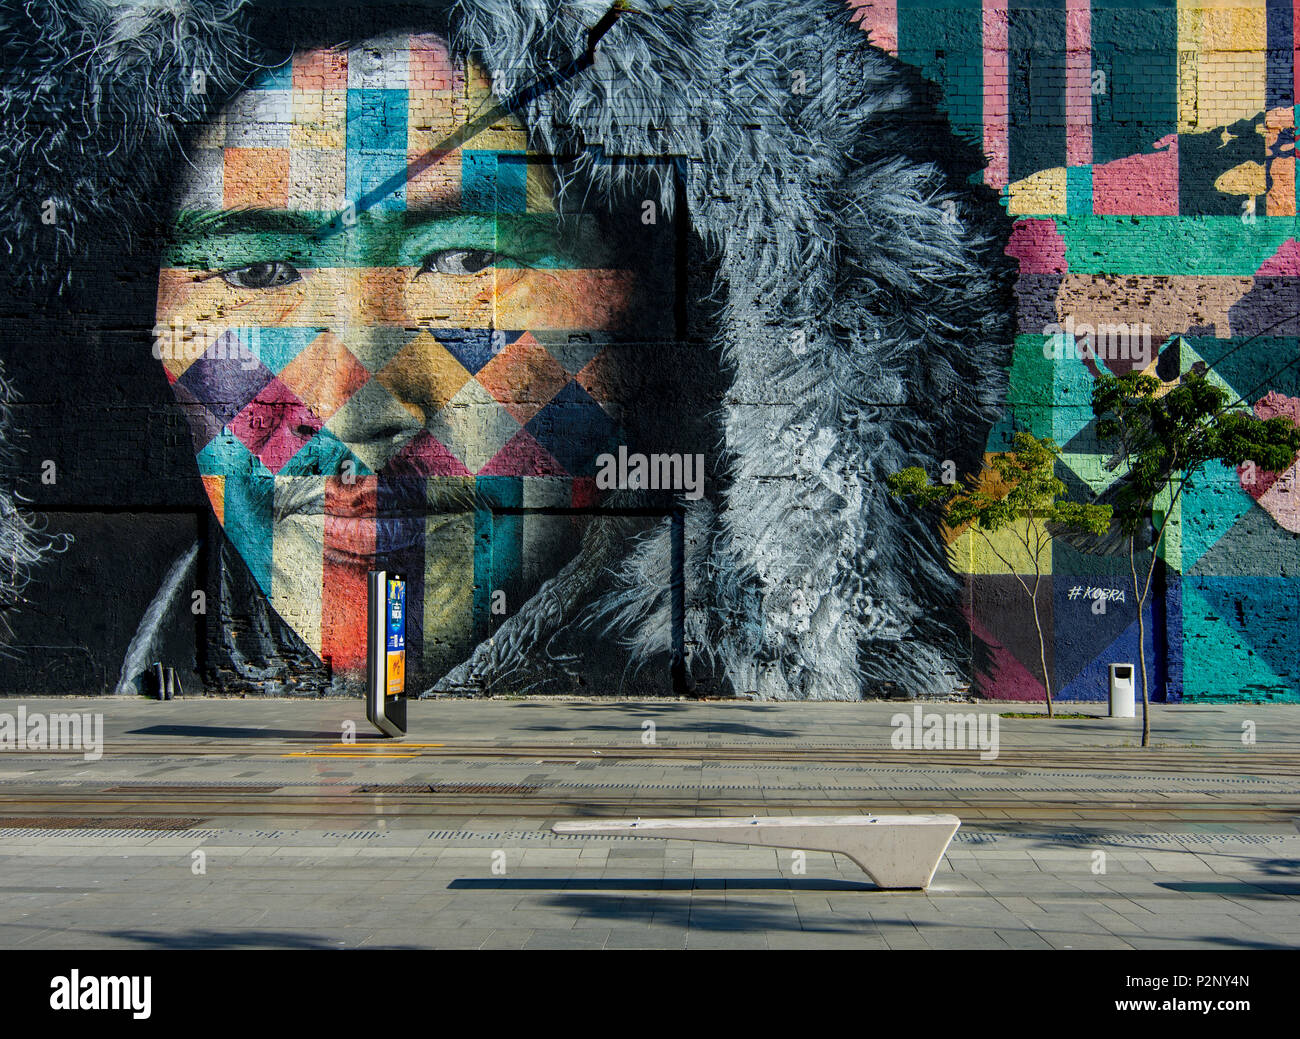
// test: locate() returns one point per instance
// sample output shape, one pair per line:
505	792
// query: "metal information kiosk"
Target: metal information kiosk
386	652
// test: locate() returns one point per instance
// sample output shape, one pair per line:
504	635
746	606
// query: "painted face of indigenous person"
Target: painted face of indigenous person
405	390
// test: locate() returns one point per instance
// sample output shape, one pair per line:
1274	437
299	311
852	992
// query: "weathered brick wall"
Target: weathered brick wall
1145	151
1148	154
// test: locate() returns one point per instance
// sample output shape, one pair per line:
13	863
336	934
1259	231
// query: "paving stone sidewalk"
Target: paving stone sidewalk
307	889
1196	849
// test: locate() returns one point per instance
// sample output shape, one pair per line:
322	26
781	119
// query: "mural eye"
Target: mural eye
262	275
457	261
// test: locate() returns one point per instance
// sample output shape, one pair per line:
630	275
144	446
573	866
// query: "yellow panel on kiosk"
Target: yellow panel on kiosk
396	673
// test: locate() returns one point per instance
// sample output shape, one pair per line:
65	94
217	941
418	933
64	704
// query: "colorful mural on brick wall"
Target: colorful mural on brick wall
614	372
355	395
1147	153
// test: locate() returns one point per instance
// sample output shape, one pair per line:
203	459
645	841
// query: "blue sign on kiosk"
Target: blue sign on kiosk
386	652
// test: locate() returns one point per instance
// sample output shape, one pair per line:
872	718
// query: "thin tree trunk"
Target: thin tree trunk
1142	646
1042	655
1142	598
1038	624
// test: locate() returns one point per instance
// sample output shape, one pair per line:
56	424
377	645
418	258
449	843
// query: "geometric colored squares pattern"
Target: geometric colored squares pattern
223	380
1168	194
275	425
521	415
360	407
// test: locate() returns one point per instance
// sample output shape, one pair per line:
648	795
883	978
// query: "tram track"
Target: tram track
321	778
36	808
1037	759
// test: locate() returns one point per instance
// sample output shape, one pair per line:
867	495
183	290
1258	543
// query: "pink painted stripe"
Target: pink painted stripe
996	94
878	18
1078	82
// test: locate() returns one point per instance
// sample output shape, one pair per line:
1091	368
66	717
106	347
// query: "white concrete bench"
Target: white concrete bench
896	851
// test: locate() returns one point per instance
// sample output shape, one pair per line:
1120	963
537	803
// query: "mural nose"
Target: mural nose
363	412
375	433
344	410
378	418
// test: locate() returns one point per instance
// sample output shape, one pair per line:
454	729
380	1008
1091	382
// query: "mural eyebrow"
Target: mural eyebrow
192	225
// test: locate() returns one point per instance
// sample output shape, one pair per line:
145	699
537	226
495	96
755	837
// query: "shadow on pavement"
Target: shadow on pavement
228	732
232	939
735	917
1243	889
199	938
657	884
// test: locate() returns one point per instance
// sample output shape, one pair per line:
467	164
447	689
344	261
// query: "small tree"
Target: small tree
1162	440
1018	484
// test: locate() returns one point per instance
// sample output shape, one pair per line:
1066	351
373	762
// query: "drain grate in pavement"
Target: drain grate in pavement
91	822
198	835
496	836
1158	838
446	788
356	835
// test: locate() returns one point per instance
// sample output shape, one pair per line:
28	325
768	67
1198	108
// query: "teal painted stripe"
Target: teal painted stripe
1078	190
249	494
1171	245
1231	656
493	180
507	548
944	38
1135	48
1211	507
277	345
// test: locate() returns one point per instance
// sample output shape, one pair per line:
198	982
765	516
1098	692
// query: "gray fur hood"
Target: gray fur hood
864	301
